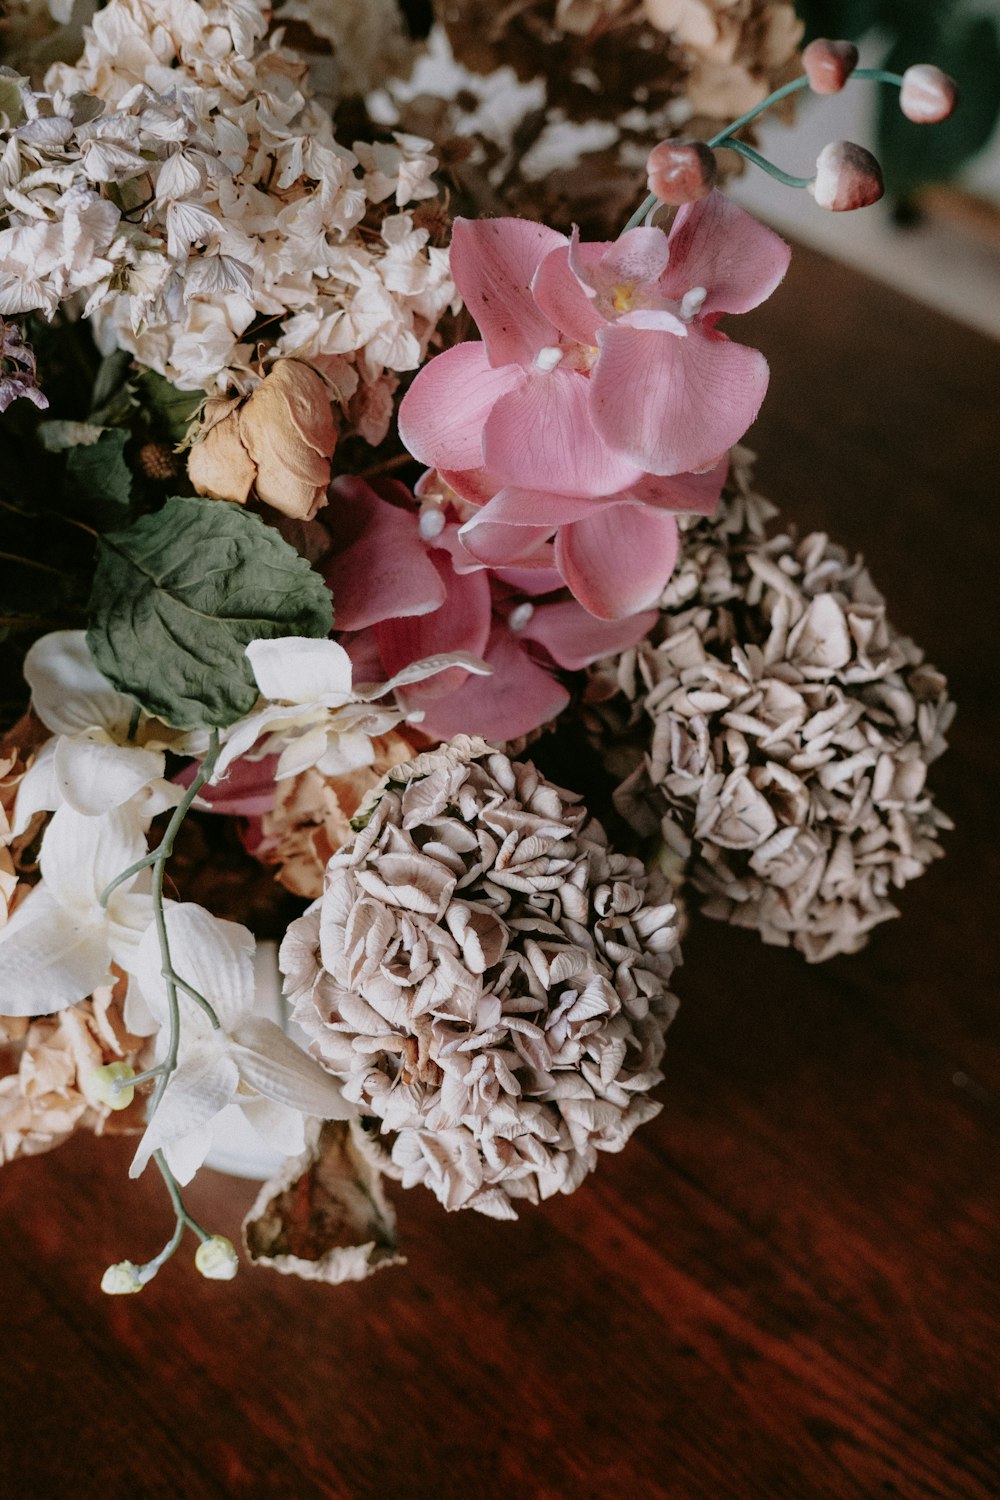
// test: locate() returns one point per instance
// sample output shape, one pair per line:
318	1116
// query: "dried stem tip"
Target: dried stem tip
828	65
847	177
681	171
927	95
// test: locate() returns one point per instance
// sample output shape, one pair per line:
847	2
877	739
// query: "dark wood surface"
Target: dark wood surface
787	1287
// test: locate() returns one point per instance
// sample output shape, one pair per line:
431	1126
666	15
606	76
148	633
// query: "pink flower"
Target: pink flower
450	603
601	380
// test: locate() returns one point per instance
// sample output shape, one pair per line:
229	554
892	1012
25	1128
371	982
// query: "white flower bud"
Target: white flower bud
216	1259
102	1087
122	1279
847	177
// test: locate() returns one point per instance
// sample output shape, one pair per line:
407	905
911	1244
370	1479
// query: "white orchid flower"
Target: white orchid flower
61	942
312	715
106	752
248	1061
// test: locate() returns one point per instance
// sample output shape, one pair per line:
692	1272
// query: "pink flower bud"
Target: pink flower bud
927	94
829	64
847	176
681	171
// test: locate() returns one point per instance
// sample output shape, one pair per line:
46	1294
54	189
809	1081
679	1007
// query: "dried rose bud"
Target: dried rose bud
278	442
681	171
829	64
927	94
157	461
847	176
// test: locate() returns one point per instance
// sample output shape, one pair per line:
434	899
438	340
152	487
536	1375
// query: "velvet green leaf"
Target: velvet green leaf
98	482
179	596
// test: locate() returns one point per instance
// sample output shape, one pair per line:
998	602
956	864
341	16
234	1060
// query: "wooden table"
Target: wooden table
787	1286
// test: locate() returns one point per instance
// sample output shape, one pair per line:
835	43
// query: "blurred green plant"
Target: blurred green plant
960	36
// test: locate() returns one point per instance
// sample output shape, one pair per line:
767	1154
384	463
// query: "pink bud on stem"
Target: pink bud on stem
927	95
681	171
829	65
847	177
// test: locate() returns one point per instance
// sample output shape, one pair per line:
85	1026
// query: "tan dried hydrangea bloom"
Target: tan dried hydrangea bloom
45	1068
311	816
488	979
787	731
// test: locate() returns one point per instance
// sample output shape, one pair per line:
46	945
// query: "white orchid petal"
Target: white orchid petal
39	790
68	693
346	752
299	669
94	776
136	1013
203	1083
303	751
49	958
271	1063
81	855
130	916
280	1127
243	735
186	1154
213	956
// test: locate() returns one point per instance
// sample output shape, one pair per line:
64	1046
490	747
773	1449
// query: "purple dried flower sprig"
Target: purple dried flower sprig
18	369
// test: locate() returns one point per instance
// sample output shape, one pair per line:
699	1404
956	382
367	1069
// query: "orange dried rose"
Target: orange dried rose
277	442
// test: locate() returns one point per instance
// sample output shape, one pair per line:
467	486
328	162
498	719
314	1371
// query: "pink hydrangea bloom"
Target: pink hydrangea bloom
600	383
445	600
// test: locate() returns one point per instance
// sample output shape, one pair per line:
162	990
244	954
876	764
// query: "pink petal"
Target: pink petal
475	485
504	546
674	404
441	417
635	258
533	581
698	492
518	697
561	296
618	563
380	568
493	262
247	791
461	624
514	507
574	638
716	245
542	437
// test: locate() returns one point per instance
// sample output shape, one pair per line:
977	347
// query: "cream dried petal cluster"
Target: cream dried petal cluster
45	1073
488	979
311	816
181	183
778	730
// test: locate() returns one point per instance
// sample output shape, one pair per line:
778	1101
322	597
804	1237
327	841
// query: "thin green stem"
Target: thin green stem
140	864
778	173
184	1219
121	1084
196	996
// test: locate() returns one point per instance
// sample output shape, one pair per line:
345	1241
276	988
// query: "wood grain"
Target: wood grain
786	1288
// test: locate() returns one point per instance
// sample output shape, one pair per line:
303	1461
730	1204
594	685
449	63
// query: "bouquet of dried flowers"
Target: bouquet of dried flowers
301	577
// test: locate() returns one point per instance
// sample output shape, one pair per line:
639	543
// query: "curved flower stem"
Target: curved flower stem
772	170
183	1220
725	137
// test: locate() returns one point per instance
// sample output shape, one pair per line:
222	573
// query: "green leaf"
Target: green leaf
179	596
98	482
168	410
968	48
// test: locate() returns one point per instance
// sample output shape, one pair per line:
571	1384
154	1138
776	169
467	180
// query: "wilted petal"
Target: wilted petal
298	669
672	404
618	562
442	415
94	776
494	262
717	245
543	436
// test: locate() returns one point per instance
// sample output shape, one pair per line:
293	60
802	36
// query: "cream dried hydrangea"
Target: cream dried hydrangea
181	183
487	979
787	731
46	1067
